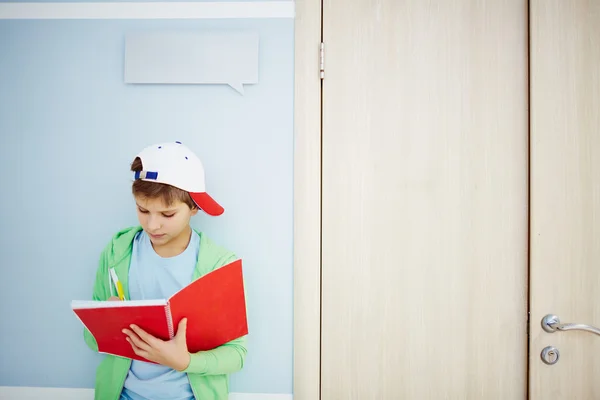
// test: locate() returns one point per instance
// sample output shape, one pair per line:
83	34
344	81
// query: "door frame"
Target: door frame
307	201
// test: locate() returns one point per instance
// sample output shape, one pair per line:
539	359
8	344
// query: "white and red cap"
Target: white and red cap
175	164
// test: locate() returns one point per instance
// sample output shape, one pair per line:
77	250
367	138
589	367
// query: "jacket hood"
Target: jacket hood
121	247
121	244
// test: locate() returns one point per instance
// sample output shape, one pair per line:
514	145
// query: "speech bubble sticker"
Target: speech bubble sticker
192	58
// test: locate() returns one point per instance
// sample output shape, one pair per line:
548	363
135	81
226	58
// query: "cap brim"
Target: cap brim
207	204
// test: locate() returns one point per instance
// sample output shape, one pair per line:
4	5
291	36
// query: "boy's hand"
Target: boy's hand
113	298
171	353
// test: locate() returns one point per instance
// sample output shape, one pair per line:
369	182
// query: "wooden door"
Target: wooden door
424	200
565	196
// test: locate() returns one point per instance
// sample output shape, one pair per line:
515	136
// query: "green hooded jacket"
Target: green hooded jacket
208	370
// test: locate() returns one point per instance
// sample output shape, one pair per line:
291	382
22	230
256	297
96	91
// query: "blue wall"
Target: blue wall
69	128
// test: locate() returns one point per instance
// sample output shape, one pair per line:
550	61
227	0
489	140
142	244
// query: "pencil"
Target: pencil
117	283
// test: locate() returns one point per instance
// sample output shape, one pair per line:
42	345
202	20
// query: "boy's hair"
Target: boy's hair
153	190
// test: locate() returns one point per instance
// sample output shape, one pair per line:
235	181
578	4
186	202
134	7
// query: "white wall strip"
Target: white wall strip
149	10
36	393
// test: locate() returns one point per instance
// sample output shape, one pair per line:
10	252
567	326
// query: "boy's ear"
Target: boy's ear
195	210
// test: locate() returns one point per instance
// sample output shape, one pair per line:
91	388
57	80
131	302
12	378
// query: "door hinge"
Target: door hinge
322	60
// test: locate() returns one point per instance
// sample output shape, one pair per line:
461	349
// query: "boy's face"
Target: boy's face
161	222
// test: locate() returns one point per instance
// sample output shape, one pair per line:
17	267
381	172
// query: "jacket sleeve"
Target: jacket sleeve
225	359
99	293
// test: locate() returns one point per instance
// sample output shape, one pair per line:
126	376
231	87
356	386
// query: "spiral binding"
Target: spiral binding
169	321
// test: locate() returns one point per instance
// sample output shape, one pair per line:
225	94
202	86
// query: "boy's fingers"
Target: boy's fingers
181	329
136	349
135	340
146	337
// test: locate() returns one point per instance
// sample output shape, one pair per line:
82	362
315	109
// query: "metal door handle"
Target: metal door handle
551	323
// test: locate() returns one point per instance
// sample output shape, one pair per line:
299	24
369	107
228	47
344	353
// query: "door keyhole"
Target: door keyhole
550	355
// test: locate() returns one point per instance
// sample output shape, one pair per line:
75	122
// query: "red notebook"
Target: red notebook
214	305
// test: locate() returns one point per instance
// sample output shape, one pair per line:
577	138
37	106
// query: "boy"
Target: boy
155	260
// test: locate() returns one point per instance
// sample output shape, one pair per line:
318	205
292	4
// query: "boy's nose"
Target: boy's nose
153	224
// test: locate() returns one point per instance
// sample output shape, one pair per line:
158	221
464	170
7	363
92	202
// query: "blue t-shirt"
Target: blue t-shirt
154	277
